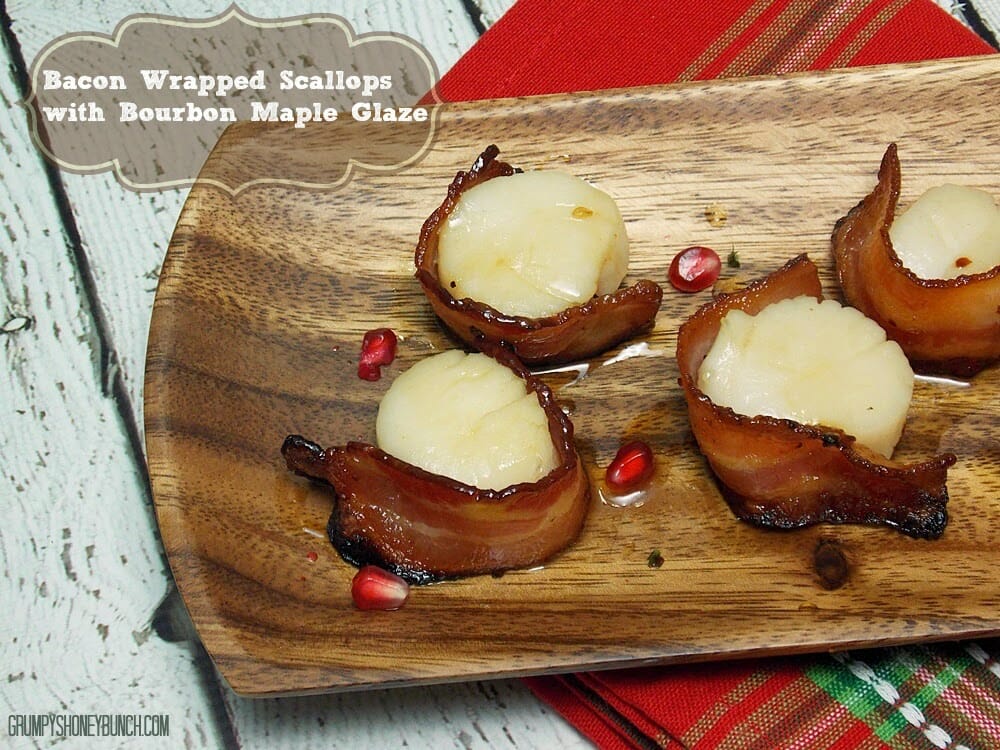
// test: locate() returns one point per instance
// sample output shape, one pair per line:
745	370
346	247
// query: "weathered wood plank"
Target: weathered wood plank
984	18
124	237
467	716
490	11
82	568
125	234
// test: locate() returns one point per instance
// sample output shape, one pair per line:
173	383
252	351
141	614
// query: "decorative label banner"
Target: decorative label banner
152	99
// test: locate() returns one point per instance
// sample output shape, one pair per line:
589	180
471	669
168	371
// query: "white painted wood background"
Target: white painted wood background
83	570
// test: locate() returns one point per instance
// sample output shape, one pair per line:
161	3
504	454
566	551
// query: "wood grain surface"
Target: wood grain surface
263	300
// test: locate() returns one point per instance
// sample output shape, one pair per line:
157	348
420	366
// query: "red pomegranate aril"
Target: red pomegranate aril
376	588
632	466
378	348
694	269
369	372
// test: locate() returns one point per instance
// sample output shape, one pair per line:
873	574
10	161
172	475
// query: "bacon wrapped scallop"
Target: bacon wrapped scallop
949	321
532	259
476	473
779	471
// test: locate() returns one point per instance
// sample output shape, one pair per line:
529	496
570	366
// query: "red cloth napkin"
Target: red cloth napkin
942	697
541	47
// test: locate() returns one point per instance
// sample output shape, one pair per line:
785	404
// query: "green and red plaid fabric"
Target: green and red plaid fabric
915	698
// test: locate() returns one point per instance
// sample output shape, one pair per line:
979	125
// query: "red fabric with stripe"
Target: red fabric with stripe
542	47
668	703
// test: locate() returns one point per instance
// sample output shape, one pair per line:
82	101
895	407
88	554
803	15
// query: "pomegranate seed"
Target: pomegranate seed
376	588
377	349
694	269
632	466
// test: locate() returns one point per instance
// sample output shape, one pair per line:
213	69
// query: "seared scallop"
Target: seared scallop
468	418
814	362
949	231
533	244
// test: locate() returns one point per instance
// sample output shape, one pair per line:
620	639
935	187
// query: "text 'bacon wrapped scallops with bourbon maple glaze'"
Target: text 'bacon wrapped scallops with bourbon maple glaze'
533	259
779	472
483	475
944	324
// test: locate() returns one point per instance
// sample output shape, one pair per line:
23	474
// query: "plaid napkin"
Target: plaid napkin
917	697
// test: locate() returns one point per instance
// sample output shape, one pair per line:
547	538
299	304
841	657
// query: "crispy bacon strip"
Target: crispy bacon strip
572	334
943	325
426	527
782	474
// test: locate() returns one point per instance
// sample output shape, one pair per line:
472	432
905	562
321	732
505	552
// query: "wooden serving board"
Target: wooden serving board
257	325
